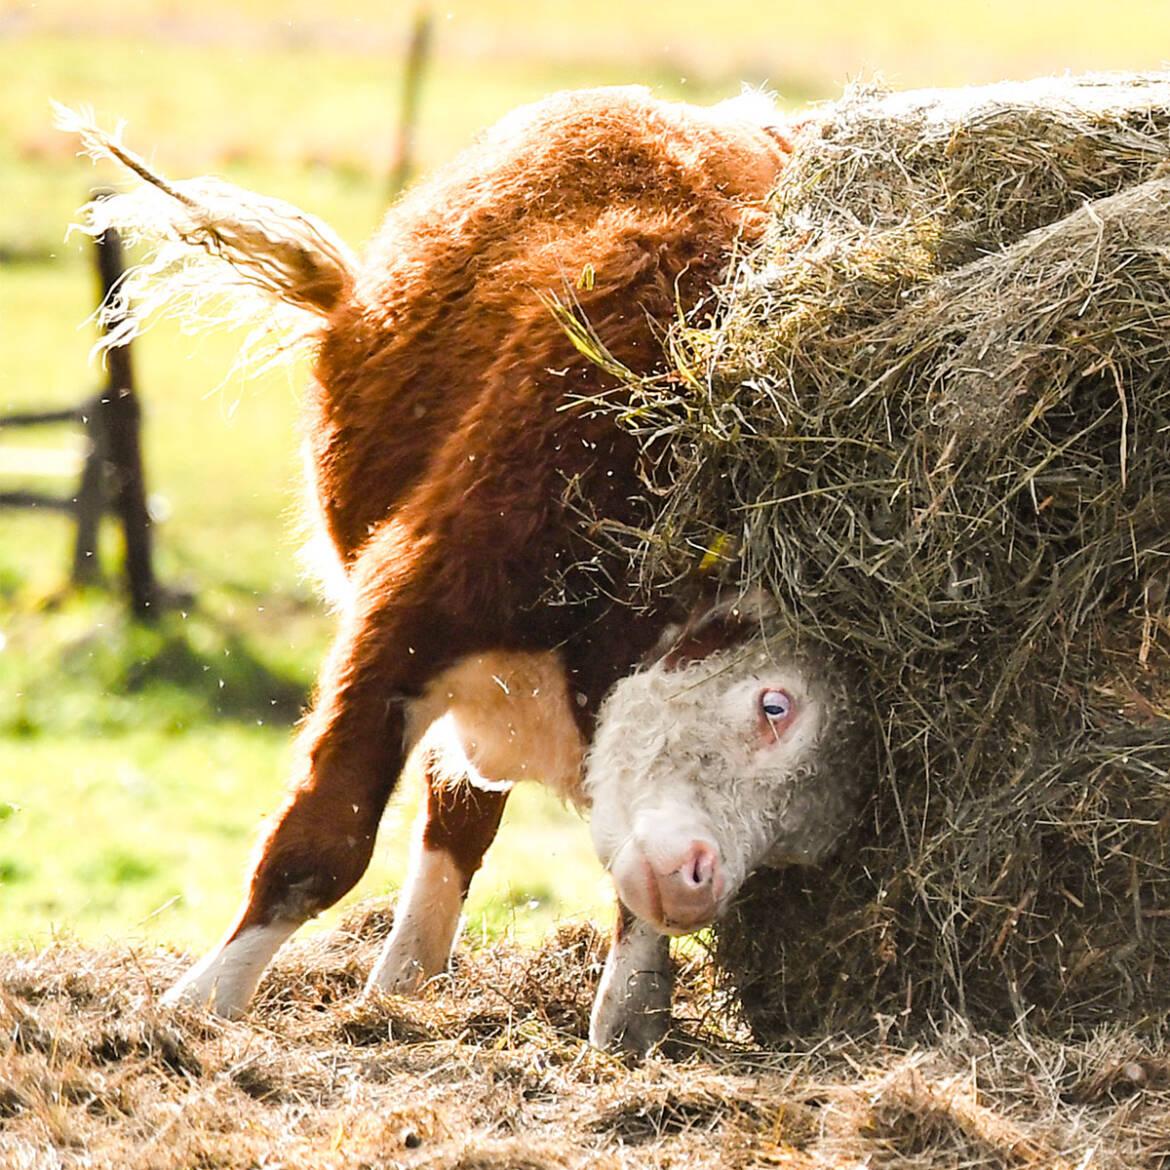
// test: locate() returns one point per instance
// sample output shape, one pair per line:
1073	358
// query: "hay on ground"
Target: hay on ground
478	1075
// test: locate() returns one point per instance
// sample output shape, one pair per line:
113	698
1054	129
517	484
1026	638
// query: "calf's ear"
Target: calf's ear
719	622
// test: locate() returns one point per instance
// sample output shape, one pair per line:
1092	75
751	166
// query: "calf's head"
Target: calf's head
720	756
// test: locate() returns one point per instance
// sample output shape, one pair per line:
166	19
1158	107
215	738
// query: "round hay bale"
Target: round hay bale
933	421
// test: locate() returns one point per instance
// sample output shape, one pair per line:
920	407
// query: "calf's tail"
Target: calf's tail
219	254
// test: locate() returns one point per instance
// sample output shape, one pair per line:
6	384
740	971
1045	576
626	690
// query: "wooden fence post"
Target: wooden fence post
416	59
119	419
90	501
112	473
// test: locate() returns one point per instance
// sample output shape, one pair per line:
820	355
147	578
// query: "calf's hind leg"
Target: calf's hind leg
455	829
349	754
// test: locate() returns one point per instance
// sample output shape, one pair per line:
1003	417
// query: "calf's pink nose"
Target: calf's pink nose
690	893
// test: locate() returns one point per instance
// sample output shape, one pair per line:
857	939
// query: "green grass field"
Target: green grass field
135	763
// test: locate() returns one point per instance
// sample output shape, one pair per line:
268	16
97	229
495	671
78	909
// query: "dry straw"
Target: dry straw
491	1071
934	422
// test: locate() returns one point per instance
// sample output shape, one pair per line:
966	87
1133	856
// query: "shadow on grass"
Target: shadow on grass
224	673
91	669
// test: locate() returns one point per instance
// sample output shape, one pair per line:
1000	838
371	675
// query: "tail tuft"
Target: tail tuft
221	255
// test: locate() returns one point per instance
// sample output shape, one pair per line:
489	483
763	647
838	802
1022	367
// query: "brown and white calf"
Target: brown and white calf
451	457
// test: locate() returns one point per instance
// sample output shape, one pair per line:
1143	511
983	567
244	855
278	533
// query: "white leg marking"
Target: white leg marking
226	977
425	920
632	1010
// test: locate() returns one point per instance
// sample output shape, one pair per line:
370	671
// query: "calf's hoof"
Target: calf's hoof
225	979
631	1020
203	989
397	978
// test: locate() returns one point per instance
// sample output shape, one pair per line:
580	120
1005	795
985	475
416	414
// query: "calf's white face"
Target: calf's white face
700	773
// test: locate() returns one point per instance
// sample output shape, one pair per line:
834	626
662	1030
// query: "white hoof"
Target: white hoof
225	979
426	921
398	975
631	1013
633	1022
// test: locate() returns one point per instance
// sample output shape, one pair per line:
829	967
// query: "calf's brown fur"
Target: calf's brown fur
440	447
449	456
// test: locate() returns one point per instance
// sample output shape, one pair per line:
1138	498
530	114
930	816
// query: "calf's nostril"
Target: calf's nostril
700	867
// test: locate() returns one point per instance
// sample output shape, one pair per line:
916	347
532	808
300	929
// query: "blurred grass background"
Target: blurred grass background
135	762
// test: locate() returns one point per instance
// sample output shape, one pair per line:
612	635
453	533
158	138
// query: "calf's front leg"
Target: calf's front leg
632	1010
455	829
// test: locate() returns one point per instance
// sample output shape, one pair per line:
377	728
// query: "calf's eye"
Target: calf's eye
776	705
